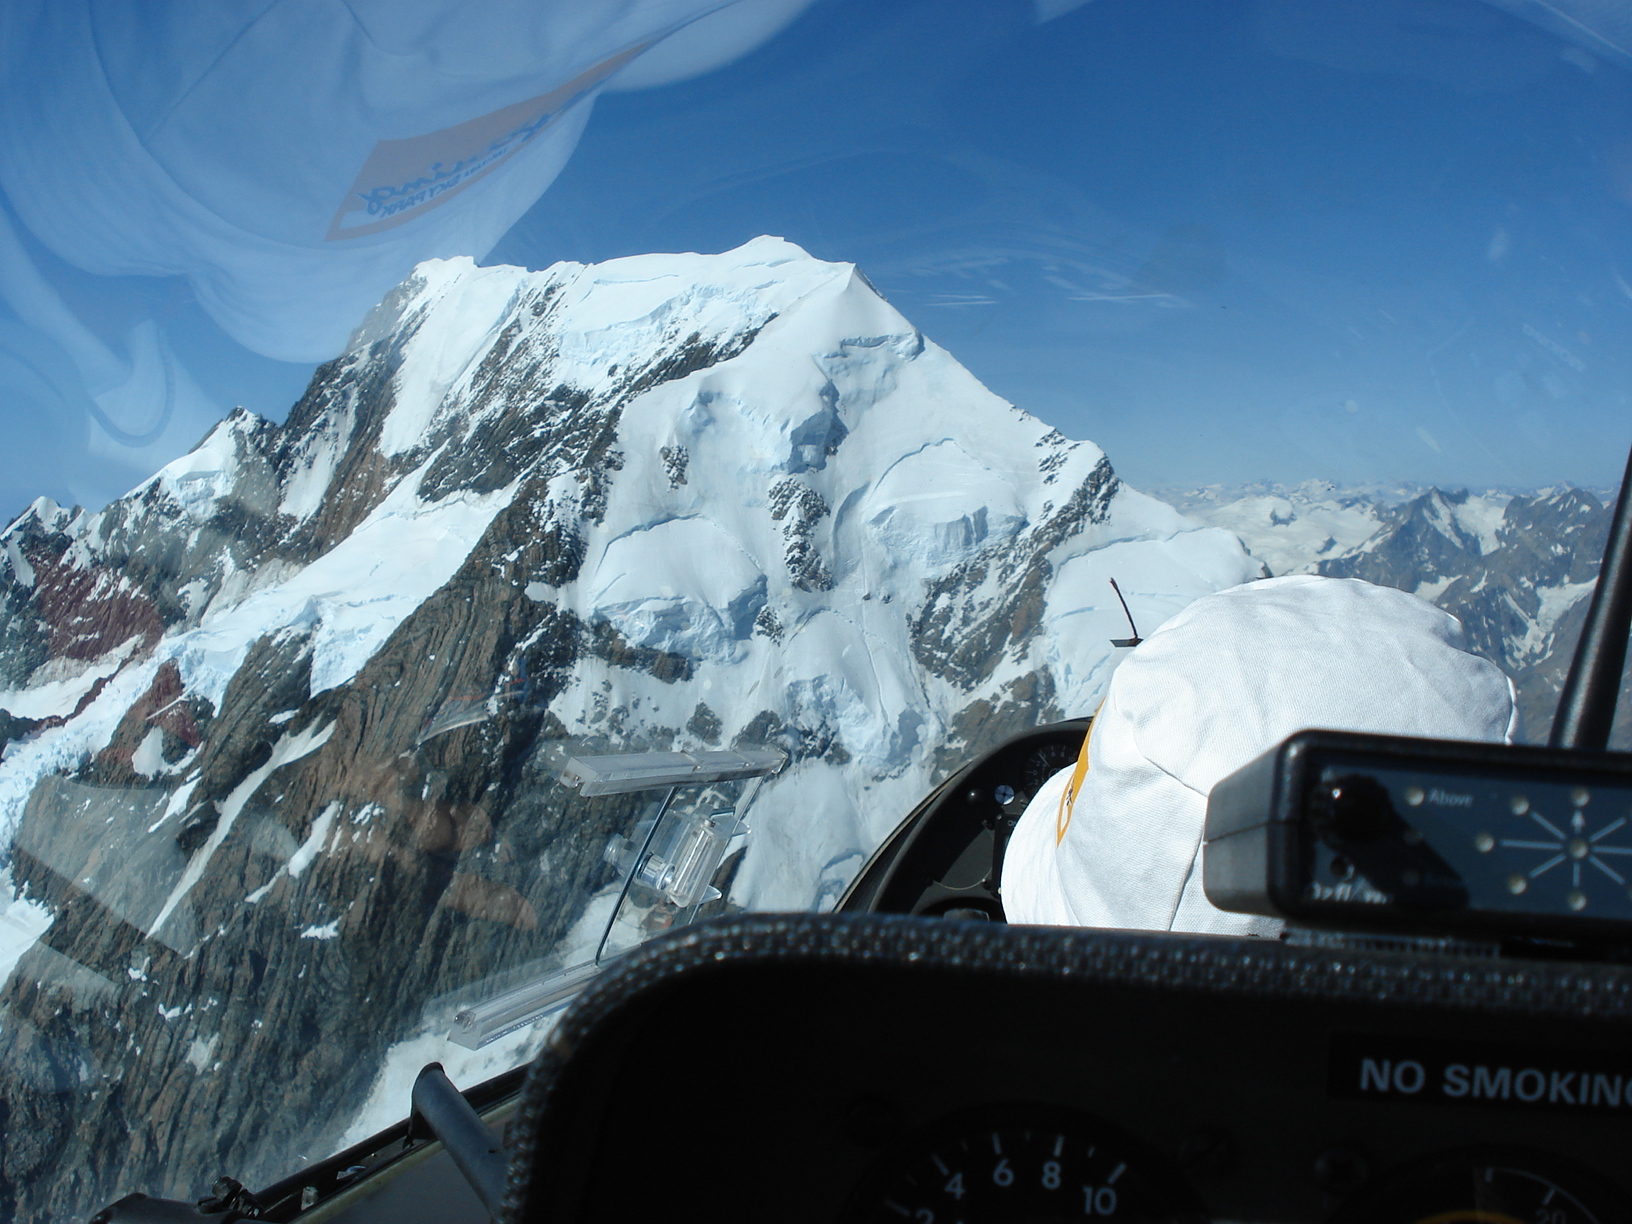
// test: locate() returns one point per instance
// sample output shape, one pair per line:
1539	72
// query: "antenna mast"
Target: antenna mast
1128	641
1586	707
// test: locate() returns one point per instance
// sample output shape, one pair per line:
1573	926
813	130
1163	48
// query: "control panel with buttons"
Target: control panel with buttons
1435	836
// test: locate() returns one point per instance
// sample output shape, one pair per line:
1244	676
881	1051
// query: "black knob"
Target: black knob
1353	810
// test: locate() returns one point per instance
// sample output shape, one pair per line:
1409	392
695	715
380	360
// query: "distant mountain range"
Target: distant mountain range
280	721
1516	568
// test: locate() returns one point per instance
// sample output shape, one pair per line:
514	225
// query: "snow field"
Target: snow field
919	468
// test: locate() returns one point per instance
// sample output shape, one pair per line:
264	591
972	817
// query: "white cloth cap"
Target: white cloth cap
1217	685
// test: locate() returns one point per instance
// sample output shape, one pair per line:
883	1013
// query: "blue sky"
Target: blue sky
1228	240
1180	229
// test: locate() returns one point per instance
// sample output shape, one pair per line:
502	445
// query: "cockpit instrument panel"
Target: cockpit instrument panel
880	1068
946	857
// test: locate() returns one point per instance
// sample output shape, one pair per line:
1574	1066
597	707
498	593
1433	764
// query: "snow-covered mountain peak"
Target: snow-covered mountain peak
702	455
316	676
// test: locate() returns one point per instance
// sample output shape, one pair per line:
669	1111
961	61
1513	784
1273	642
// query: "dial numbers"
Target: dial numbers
1031	1164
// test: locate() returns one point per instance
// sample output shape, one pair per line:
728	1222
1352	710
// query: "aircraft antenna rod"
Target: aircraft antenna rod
1136	639
1586	707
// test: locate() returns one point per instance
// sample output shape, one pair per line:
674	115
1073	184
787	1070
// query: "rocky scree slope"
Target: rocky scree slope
666	501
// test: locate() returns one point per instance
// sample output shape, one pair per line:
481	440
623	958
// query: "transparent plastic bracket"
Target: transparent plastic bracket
676	859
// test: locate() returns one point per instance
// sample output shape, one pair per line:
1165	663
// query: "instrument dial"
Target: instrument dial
1043	762
1487	1188
1020	1163
1563	850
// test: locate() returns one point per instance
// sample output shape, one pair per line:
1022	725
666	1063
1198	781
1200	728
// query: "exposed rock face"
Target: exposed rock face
1519	581
285	722
1517	570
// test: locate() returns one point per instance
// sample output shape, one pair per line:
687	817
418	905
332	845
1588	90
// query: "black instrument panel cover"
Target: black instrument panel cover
719	1072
